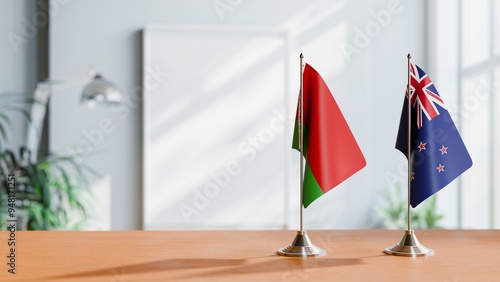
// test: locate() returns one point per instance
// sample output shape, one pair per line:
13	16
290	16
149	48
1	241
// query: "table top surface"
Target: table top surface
460	255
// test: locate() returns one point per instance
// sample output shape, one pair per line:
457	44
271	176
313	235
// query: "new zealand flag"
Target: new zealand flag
438	154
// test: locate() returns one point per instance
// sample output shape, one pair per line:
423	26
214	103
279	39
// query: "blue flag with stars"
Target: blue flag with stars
438	154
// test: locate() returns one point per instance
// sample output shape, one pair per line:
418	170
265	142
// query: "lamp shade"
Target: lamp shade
101	90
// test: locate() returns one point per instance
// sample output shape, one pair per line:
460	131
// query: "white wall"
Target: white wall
17	57
368	85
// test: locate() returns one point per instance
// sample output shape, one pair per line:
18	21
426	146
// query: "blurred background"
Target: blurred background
201	138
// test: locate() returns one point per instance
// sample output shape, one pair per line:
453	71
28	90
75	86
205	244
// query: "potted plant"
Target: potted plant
49	193
392	212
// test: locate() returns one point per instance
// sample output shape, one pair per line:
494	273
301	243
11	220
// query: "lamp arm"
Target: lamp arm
39	108
98	88
73	80
37	117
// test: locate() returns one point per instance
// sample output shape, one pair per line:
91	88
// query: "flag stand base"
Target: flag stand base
409	247
301	247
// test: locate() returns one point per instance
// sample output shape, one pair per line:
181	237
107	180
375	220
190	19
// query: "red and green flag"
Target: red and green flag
331	152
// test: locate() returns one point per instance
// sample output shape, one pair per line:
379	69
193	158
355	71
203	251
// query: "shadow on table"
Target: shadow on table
288	266
124	271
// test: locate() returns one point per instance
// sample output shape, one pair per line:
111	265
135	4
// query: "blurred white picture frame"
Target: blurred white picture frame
216	133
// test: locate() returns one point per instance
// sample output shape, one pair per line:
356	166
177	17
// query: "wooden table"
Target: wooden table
462	255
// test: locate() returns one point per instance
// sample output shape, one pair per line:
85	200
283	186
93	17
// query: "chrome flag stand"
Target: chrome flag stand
301	245
409	245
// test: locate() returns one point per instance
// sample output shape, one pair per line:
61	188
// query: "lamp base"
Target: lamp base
301	247
409	247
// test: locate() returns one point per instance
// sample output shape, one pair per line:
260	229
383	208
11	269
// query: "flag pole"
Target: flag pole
301	141
409	140
409	246
301	245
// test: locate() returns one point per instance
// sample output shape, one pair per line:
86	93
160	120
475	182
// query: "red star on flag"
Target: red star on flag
440	168
443	150
422	146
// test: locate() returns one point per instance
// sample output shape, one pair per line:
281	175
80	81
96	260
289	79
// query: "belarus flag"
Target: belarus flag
331	152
